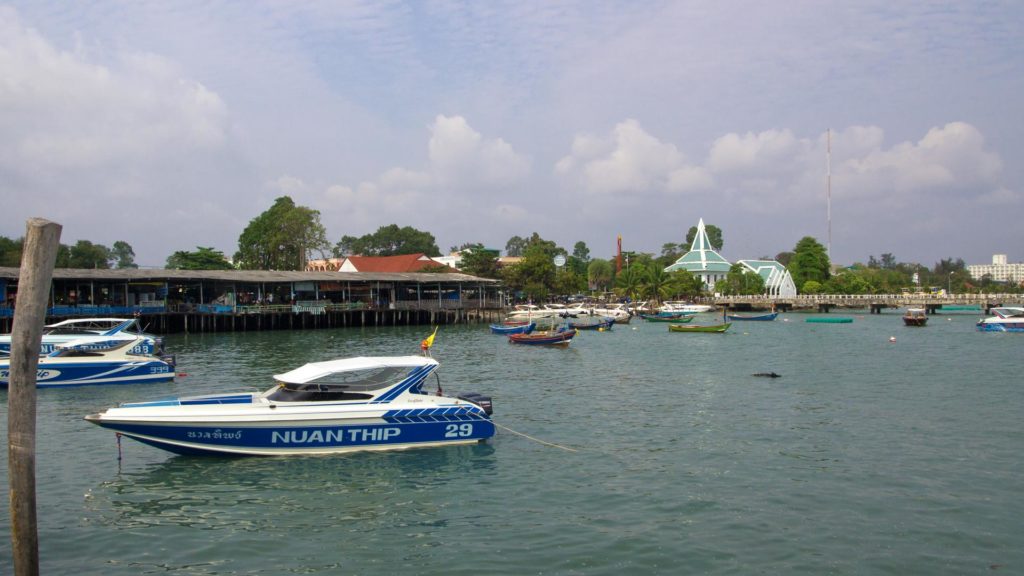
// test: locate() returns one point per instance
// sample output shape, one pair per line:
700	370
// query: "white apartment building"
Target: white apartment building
999	270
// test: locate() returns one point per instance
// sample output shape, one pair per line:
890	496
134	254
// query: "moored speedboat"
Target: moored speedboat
366	403
94	333
1005	319
80	364
685	307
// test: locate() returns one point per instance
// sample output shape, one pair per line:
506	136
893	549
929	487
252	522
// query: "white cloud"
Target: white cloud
460	162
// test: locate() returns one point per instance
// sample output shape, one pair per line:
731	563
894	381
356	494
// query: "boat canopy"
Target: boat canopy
1009	312
380	369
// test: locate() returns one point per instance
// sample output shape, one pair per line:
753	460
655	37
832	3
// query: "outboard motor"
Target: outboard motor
478	399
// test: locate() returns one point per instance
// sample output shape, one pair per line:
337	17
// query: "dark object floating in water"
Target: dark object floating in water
767	374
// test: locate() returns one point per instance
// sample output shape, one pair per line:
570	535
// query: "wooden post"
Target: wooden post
37	260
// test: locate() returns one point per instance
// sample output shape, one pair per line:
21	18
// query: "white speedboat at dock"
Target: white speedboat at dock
82	364
371	403
1005	319
94	333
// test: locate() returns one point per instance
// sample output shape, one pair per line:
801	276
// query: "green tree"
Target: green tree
784	258
10	252
599	274
124	255
811	287
516	246
740	282
714	236
670	252
389	240
580	251
658	285
204	258
281	238
810	262
85	254
630	282
479	261
687	285
534	274
848	282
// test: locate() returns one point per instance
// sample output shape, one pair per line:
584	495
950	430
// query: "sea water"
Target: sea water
662	454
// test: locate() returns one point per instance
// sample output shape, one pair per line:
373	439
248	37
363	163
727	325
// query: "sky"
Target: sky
171	125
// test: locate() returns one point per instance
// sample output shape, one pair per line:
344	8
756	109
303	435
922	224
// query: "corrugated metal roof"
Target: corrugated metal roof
254	276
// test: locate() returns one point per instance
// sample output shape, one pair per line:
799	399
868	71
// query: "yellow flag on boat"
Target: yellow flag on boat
429	340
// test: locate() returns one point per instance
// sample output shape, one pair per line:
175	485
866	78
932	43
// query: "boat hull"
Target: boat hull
395	430
525	328
756	318
68	374
1000	327
703	329
675	319
557	339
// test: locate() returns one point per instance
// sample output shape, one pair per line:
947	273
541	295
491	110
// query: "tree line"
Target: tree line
286	236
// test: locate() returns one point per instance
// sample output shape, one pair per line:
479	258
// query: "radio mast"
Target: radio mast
828	189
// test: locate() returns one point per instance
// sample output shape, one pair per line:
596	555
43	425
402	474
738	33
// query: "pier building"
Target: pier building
216	300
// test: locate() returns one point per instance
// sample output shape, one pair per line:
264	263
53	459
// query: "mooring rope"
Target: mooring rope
553	445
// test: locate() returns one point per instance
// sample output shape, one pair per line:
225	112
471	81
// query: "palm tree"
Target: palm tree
629	282
658	284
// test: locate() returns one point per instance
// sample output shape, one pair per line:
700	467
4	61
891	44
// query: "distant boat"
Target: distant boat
703	328
93	334
680	318
685	307
762	317
830	320
593	323
513	328
915	317
561	337
1006	319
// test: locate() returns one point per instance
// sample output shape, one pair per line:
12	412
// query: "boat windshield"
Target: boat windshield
348	385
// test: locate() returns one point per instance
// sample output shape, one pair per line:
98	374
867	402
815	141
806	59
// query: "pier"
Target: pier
175	301
824	303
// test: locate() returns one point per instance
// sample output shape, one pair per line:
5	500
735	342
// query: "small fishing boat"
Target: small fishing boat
753	317
97	333
1005	319
560	337
344	405
592	323
710	328
830	320
680	318
81	364
915	317
513	328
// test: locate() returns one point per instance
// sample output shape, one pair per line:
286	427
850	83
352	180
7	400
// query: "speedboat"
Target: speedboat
685	307
617	312
531	312
95	333
1006	319
345	405
81	364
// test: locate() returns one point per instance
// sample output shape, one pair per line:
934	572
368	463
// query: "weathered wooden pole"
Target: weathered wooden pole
37	260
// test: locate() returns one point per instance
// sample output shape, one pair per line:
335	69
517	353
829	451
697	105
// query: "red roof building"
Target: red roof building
400	263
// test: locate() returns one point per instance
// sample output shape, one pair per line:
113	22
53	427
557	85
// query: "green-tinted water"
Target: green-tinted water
865	457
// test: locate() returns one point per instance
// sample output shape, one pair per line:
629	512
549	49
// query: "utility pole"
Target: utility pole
40	253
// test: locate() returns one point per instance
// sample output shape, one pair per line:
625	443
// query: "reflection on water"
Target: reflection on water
234	493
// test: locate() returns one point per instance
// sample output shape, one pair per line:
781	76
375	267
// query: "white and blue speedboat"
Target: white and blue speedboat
347	405
81	364
94	333
1005	319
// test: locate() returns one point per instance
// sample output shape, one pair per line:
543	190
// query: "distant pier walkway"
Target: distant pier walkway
932	303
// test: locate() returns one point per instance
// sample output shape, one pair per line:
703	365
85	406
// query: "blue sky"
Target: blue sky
171	125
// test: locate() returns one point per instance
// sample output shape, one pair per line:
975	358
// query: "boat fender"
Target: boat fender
767	374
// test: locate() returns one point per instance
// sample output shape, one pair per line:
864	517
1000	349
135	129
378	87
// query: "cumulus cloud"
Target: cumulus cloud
460	162
756	170
128	131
